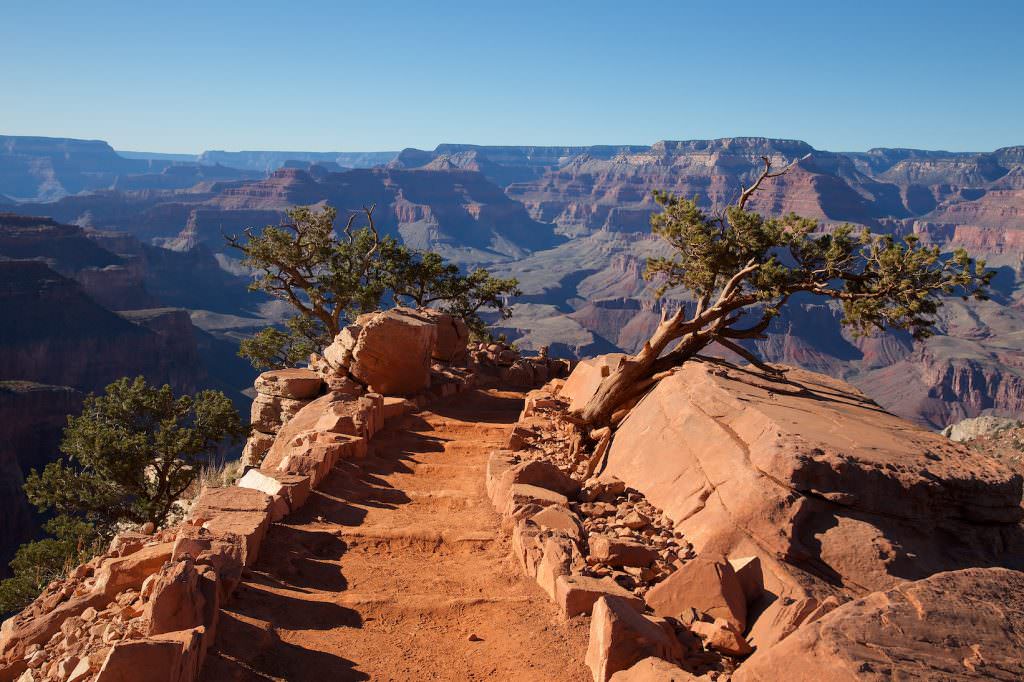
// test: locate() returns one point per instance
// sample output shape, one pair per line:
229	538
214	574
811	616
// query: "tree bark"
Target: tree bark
629	379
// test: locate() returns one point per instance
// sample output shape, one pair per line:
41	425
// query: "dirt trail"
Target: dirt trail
397	570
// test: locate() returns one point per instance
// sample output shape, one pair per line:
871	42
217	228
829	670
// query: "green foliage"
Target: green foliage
131	454
37	564
273	348
424	279
329	278
881	281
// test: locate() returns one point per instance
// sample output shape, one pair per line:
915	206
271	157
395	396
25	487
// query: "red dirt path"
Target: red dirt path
396	569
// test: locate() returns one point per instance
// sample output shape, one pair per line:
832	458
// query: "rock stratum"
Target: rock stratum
571	223
733	526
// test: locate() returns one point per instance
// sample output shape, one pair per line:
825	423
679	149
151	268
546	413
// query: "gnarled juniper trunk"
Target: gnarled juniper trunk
735	259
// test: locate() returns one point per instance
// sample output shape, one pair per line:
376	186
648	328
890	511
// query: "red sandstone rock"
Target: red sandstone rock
541	474
294	383
452	336
817	475
392	352
223	552
653	669
176	600
582	384
395	408
527	546
269	413
708	584
256	447
560	520
240	511
114	575
721	636
577	594
620	636
521	495
559	557
751	577
959	625
621	552
499	462
174	657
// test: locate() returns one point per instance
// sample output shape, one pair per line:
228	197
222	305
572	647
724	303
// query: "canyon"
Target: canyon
128	272
733	525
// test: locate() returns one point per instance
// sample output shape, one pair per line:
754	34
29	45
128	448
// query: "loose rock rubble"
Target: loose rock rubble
687	591
499	363
147	609
597	547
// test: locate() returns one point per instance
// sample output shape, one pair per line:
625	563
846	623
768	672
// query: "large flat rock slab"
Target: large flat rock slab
808	470
961	625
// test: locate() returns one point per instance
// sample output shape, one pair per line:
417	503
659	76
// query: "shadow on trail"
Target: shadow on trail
480	406
294	585
249	652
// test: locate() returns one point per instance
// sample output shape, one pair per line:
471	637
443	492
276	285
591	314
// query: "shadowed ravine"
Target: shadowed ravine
397	569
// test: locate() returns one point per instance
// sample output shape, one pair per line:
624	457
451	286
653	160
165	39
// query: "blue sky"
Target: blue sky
183	76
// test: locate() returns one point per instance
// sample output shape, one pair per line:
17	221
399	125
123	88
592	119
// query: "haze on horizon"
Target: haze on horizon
350	77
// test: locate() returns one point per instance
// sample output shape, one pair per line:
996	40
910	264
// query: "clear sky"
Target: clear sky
187	76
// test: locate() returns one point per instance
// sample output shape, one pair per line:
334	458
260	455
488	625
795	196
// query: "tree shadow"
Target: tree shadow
246	652
482	406
298	558
266	598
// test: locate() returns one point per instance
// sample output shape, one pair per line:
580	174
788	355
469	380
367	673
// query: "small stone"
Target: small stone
474	638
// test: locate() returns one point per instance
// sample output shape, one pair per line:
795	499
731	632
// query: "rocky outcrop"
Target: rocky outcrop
280	395
794	469
961	625
389	351
746	510
979	427
148	608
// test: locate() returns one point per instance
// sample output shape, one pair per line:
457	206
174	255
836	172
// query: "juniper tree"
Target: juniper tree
425	279
132	453
742	268
326	277
128	458
329	277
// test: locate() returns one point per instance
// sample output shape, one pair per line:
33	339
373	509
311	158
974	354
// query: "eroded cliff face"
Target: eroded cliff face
32	418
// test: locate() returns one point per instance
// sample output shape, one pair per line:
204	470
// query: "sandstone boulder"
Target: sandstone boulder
807	470
577	594
708	584
559	520
256	447
959	625
176	599
239	511
269	412
174	657
621	552
721	636
653	669
294	383
582	384
537	473
620	637
388	351
452	336
559	558
333	412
